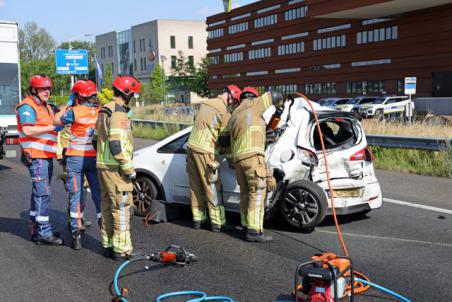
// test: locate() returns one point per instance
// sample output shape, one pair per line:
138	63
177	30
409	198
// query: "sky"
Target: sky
65	19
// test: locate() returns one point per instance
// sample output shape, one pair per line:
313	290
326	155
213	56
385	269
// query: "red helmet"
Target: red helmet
40	81
84	88
252	90
234	91
127	84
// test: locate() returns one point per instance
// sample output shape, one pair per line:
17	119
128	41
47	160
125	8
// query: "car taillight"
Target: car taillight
363	154
307	157
12	141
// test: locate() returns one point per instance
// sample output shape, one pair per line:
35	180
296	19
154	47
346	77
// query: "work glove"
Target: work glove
131	176
271	184
70	101
58	128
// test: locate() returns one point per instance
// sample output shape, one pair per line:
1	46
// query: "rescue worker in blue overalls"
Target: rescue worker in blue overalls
81	154
38	140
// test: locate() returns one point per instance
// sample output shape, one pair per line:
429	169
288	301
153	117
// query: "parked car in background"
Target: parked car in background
333	102
384	106
302	197
354	104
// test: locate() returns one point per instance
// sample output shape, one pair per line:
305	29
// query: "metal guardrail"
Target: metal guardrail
409	142
405	142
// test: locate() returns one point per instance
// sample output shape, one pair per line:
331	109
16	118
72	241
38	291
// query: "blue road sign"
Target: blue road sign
74	61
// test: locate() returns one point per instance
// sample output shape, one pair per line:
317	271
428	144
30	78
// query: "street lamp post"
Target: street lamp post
163	58
70	48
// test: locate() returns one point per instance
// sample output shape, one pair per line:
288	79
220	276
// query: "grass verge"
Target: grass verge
153	133
430	163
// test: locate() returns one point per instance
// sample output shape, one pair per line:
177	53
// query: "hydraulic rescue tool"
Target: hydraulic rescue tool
323	278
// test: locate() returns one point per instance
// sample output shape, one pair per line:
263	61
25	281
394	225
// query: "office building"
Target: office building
324	48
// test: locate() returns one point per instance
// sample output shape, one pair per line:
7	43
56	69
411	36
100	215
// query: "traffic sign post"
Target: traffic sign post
410	89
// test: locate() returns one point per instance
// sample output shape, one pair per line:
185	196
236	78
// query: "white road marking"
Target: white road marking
388	238
419	206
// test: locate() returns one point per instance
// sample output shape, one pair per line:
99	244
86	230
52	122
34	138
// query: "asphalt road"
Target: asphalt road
401	247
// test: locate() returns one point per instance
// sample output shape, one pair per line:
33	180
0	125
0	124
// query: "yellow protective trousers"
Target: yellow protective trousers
205	195
116	202
252	179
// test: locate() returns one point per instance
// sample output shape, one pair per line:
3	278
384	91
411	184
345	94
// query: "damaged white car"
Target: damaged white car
294	152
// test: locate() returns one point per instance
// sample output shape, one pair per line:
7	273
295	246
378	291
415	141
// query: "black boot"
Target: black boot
77	240
108	252
51	240
255	236
197	224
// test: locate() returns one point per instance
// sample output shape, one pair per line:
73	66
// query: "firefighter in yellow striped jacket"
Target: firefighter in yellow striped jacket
114	163
248	128
210	127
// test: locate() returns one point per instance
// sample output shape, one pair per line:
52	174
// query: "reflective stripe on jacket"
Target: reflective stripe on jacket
38	146
211	122
247	127
114	137
82	130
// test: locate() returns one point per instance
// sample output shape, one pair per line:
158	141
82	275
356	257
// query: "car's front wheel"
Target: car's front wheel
304	205
144	192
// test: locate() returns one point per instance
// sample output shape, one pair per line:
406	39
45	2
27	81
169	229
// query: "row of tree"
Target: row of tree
37	56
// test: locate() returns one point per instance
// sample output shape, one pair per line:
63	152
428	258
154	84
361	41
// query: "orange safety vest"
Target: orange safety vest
38	146
80	141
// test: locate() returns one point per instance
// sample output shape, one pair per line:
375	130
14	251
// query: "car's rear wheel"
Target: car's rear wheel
144	192
304	205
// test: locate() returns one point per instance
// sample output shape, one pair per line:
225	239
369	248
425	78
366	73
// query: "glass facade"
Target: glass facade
124	47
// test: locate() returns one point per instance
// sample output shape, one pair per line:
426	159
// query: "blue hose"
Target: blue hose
202	295
383	289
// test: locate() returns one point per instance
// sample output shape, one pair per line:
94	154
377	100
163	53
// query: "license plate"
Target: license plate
10	153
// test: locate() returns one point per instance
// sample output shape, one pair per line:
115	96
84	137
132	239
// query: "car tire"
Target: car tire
379	114
144	192
304	205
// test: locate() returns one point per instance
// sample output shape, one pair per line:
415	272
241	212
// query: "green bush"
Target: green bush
153	133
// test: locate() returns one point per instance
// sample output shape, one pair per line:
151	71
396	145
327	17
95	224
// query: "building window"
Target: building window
235	47
365	87
262	42
289	49
371	62
374	21
294	36
173	62
240	17
377	35
295	1
259	53
239	27
173	42
141	63
334	28
257	73
190	42
134	47
144	44
214	60
191	61
215	33
321	88
135	64
141	45
266	21
215	50
329	42
232	75
296	13
112	68
233	57
267	9
144	64
216	23
285	89
287	70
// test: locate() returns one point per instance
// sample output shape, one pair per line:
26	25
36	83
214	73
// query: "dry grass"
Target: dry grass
373	126
156	112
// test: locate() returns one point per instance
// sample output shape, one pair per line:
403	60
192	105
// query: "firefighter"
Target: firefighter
210	127
80	153
38	139
115	168
248	129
